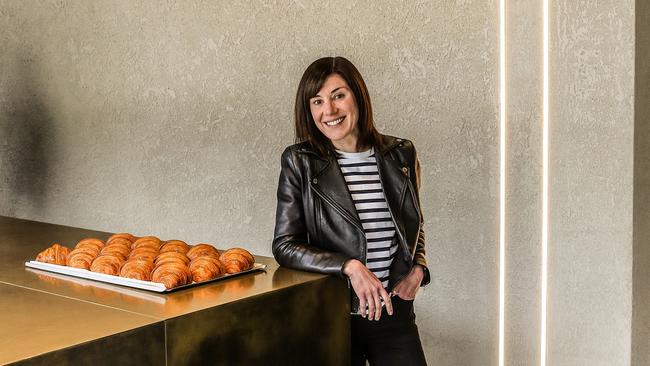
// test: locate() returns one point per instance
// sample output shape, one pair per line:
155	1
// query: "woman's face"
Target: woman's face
335	113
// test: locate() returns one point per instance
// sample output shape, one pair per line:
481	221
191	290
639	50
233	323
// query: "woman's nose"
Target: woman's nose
331	107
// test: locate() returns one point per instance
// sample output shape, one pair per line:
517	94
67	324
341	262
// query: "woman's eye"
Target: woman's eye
317	102
339	96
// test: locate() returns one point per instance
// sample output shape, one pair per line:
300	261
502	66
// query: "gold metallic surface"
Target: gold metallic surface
35	323
299	325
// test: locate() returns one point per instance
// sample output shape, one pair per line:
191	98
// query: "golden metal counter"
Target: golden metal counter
279	316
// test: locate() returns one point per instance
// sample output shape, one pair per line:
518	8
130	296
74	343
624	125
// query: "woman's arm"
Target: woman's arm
291	245
419	257
419	276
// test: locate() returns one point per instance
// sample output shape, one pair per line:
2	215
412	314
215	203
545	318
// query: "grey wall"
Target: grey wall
592	126
590	183
524	83
168	118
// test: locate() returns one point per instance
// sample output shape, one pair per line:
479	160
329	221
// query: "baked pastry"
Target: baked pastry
82	257
86	249
55	254
108	264
172	275
200	250
144	252
126	236
206	268
237	260
119	241
90	242
117	249
175	246
150	240
139	269
172	263
171	257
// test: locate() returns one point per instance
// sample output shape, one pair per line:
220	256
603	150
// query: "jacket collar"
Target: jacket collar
327	179
389	143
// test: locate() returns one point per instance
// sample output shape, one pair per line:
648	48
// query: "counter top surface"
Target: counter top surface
34	322
22	240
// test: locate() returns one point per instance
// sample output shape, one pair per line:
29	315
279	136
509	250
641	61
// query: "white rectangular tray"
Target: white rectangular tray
128	282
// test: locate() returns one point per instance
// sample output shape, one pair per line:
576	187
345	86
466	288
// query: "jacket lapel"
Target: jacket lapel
329	182
394	181
394	178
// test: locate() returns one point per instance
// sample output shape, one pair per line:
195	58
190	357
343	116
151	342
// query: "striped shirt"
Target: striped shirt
362	178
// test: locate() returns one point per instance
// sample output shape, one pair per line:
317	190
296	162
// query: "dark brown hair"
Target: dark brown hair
311	82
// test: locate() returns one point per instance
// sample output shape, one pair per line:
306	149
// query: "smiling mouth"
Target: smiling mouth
335	122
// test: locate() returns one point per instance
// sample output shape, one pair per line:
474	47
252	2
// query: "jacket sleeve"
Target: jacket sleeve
291	244
419	257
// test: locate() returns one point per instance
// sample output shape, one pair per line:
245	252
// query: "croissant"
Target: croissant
171	256
237	260
92	250
139	269
206	268
200	250
55	254
172	275
90	242
108	264
144	253
150	241
175	246
120	241
81	257
126	236
116	249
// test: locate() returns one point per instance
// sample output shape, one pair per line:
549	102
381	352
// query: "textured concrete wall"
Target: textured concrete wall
591	172
168	118
524	86
641	300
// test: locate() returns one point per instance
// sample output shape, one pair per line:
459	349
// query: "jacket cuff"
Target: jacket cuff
427	276
341	274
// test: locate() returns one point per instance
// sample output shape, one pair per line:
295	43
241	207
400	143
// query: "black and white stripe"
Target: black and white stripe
362	178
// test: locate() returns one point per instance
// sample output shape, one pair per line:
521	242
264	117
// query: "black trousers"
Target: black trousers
392	340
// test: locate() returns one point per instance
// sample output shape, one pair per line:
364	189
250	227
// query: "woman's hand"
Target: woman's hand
368	289
409	286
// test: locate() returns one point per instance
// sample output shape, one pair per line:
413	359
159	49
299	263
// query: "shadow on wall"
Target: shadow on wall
26	140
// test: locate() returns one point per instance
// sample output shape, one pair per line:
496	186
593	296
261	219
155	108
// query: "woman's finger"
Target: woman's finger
389	305
371	306
382	297
362	306
377	299
407	293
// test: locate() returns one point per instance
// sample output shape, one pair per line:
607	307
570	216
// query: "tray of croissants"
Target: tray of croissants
146	262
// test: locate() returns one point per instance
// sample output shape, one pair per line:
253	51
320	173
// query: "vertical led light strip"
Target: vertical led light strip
502	175
545	188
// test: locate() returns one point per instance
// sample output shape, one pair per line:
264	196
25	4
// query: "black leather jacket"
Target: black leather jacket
316	225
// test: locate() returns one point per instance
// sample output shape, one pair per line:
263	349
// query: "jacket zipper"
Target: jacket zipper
417	209
401	202
342	212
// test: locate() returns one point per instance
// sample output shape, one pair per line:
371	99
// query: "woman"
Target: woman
348	205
